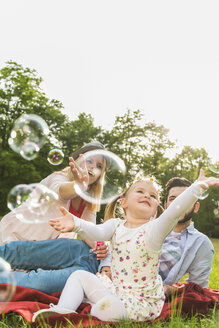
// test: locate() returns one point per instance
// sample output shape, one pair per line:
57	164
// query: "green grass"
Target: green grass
214	276
210	320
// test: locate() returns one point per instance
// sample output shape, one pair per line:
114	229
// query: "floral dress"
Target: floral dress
135	278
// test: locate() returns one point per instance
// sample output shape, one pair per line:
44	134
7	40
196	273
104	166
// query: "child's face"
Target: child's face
141	200
106	270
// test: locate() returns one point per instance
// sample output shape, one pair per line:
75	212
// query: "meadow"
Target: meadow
210	320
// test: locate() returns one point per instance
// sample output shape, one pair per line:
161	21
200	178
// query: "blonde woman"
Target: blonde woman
40	248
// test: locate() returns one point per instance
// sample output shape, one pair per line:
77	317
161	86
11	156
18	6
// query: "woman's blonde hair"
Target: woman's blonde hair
96	187
115	207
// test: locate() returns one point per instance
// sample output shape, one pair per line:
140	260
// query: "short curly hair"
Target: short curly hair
176	182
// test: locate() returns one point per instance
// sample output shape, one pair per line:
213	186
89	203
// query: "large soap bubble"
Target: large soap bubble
18	195
41	205
33	203
28	135
42	199
110	170
7	278
29	150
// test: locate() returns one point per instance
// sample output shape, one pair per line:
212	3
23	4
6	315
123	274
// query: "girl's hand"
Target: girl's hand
207	181
65	223
80	172
101	251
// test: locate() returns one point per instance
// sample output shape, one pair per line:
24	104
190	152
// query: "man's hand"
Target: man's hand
169	290
65	223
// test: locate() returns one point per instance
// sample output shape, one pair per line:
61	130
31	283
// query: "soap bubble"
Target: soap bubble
41	205
55	156
41	199
7	278
214	168
94	161
216	209
18	195
28	135
216	212
203	193
29	150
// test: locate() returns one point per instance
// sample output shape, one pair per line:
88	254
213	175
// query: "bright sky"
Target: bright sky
103	57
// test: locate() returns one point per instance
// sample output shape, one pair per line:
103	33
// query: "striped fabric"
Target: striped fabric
171	253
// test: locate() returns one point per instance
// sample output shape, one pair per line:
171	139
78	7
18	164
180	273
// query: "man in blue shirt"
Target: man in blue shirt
185	250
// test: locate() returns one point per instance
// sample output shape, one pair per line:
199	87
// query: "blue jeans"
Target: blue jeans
51	262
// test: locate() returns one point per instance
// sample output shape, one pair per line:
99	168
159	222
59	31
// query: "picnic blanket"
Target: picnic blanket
190	299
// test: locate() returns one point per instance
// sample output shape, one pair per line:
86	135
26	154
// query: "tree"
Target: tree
76	133
189	162
20	93
142	146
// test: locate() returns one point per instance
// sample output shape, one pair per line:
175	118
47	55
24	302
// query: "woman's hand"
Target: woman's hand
80	173
207	181
65	223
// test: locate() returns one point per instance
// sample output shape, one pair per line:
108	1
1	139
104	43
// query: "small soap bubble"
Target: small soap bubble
55	156
216	212
18	195
7	288
203	193
214	168
216	209
28	135
105	169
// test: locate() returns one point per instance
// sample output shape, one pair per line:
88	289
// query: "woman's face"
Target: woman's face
94	166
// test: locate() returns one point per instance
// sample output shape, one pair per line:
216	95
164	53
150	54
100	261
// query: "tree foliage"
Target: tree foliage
142	145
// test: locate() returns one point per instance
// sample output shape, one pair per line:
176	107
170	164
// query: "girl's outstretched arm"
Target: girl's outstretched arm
162	226
87	230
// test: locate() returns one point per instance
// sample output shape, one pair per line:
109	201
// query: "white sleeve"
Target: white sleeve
91	231
159	228
54	181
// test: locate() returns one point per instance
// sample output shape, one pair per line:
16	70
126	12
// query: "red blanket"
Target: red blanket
190	299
